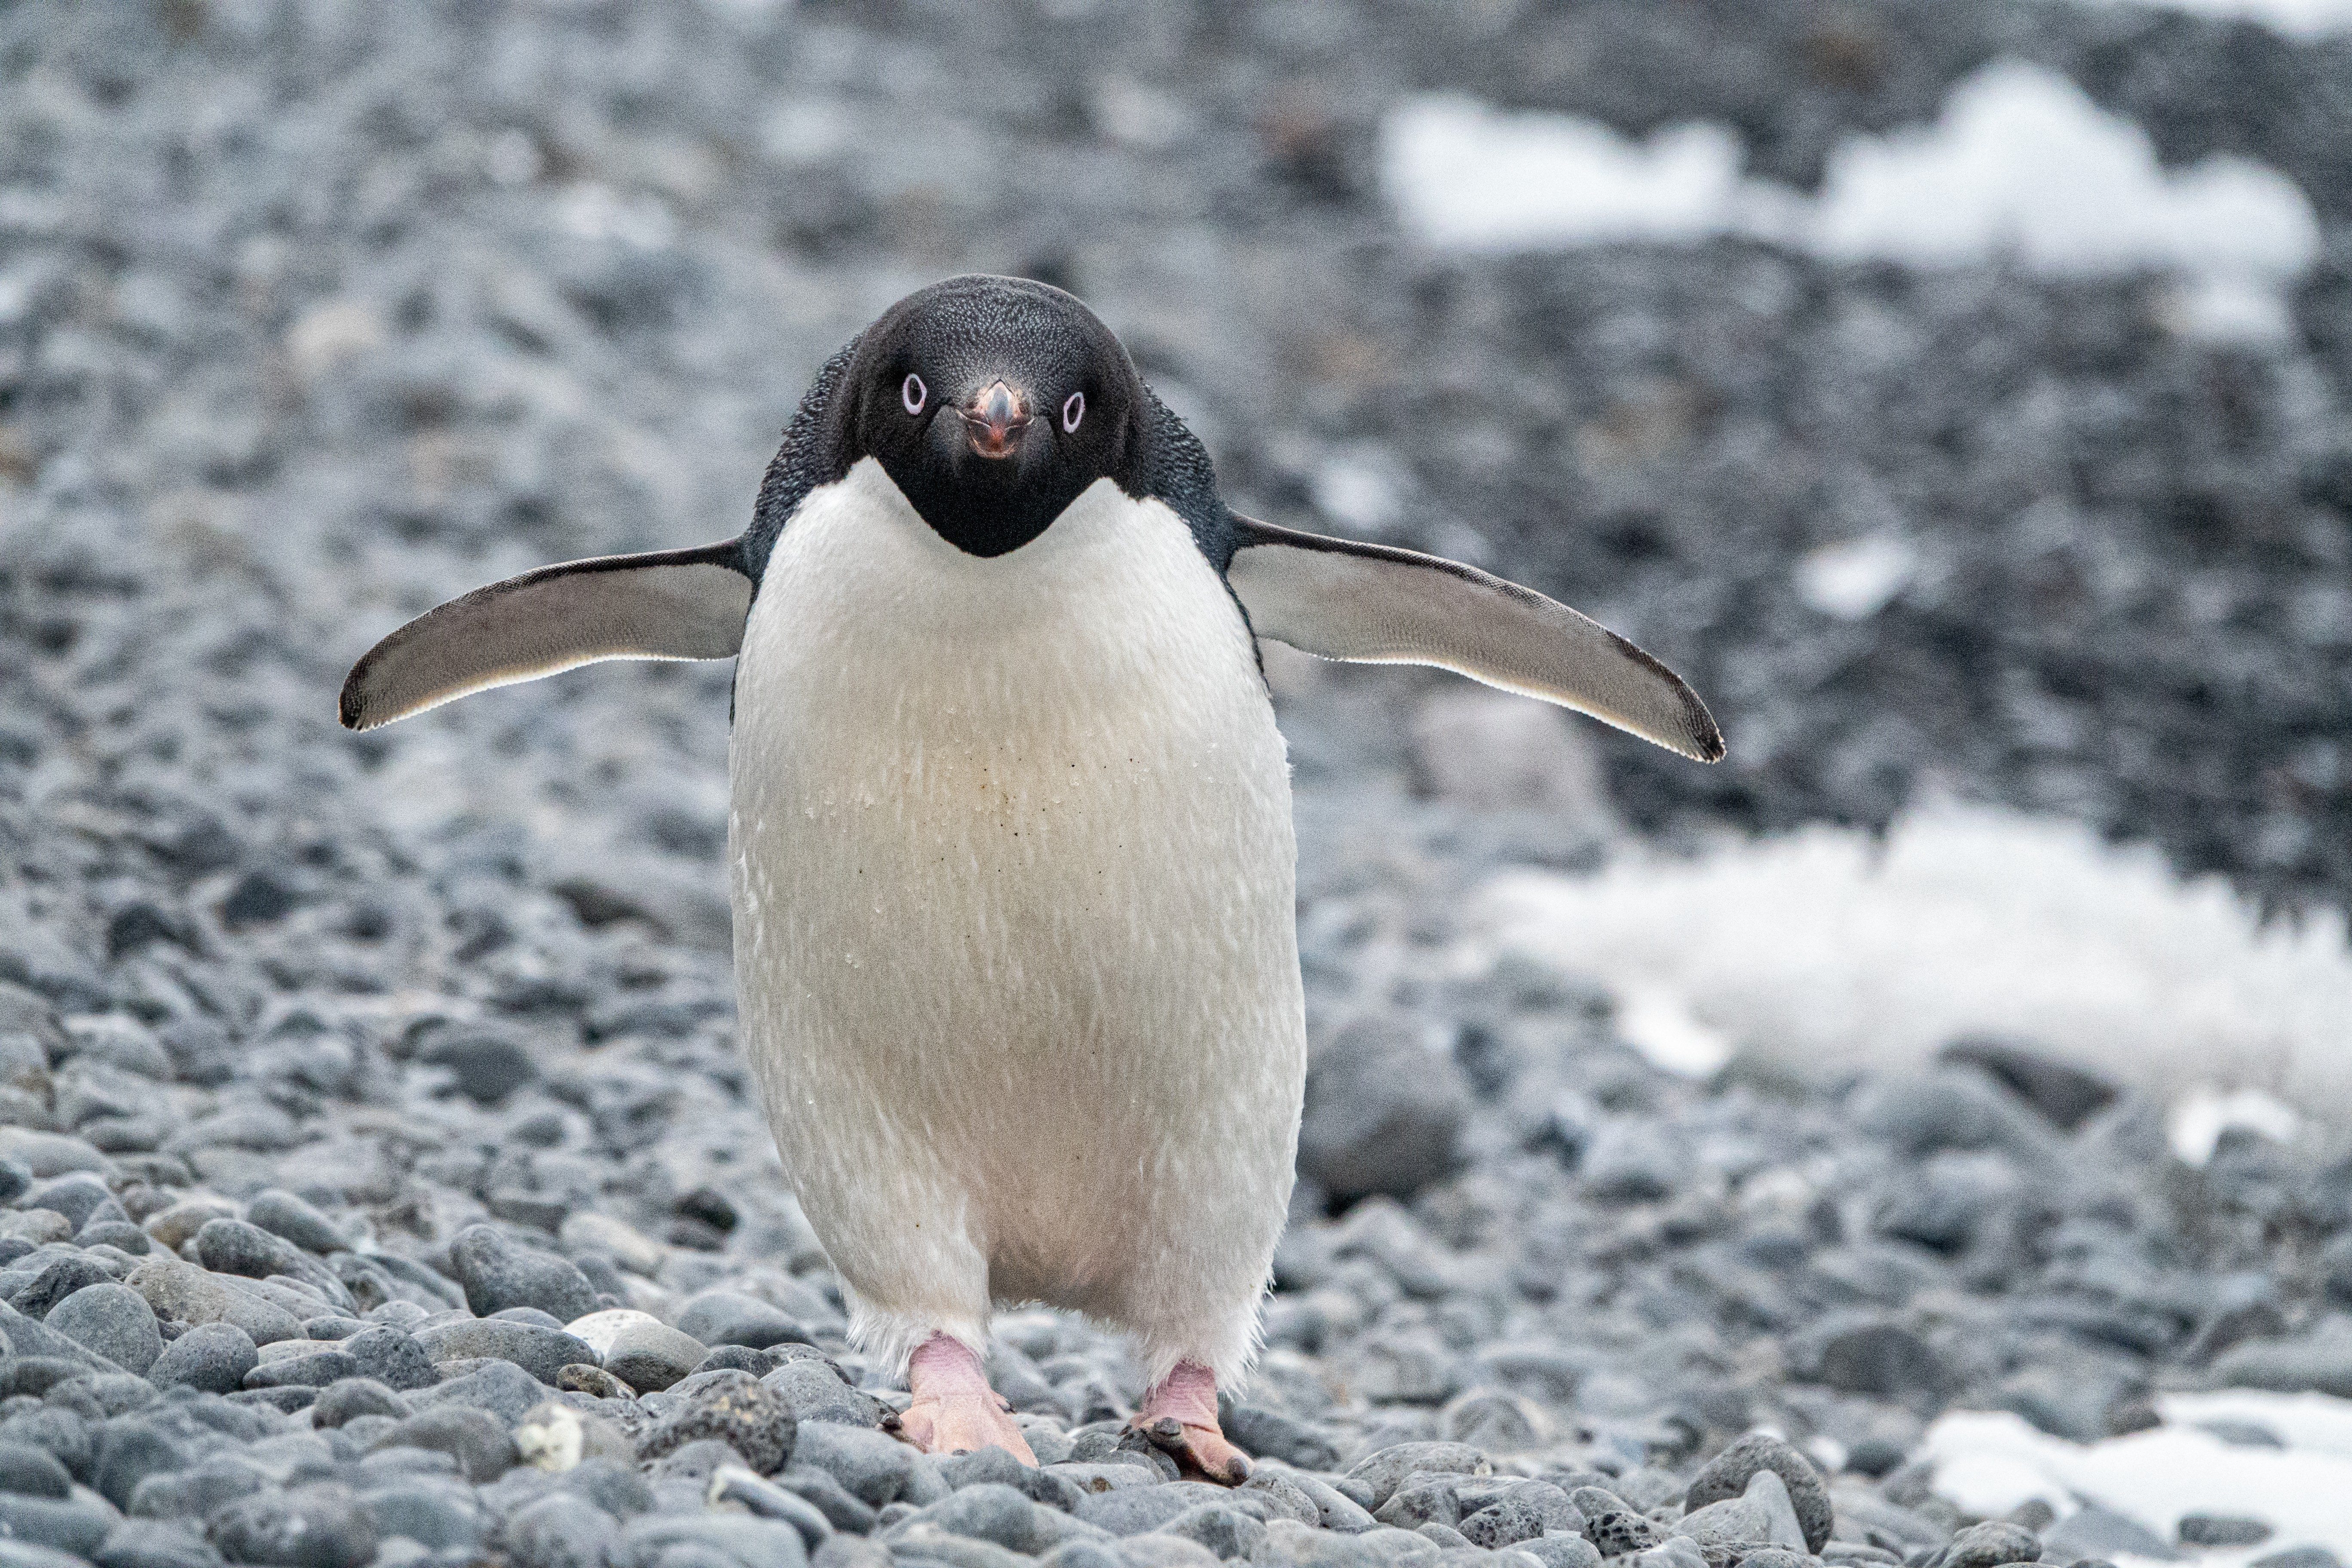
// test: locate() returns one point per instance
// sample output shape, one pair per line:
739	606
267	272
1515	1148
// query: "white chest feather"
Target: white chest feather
1013	868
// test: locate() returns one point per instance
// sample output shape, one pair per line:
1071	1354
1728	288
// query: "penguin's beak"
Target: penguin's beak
995	419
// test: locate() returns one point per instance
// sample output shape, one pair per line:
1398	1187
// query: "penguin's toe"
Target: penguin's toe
1202	1453
962	1424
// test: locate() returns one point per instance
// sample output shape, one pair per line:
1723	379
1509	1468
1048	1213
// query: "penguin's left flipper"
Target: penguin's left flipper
1370	604
672	603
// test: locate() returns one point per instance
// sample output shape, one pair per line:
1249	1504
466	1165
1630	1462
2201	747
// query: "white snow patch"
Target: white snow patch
1856	578
1834	952
2021	165
2293	19
2316	1421
1989	1463
2201	1116
1659	1025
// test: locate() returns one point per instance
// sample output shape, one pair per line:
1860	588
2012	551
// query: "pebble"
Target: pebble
475	1438
1730	1474
283	1215
731	1407
542	1352
32	1472
1990	1544
730	1318
319	1526
497	1273
111	1321
650	1356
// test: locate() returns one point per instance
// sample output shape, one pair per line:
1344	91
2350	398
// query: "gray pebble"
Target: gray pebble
730	1318
308	1369
500	1388
129	1451
558	1532
111	1321
650	1357
476	1439
1728	1473
319	1526
32	1472
66	1525
540	1351
815	1392
339	1402
440	1514
283	1215
1990	1544
390	1357
498	1272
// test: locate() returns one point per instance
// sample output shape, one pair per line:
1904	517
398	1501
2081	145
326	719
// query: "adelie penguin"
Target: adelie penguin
1011	836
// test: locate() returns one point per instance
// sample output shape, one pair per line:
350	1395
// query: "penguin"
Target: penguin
1010	837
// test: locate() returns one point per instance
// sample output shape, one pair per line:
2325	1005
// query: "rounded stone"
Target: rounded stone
498	1272
113	1320
1726	1475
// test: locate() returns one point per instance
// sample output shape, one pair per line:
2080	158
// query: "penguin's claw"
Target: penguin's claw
961	1423
1178	1417
1201	1453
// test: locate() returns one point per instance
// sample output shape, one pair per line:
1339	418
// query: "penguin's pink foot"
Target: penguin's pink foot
1179	1416
954	1410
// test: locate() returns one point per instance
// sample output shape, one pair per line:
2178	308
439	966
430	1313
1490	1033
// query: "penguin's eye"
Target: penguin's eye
1074	408
912	392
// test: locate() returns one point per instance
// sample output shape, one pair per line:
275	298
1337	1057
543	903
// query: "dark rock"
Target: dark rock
475	1438
488	1065
212	1357
2298	1557
1878	1357
827	1496
32	1472
129	1451
56	1281
2222	1530
1228	1533
1728	1474
437	1512
1384	1112
315	1369
1990	1544
78	1196
339	1402
650	1356
66	1525
319	1526
285	1215
872	1467
540	1351
558	1532
498	1273
812	1390
501	1388
156	1544
2068	1095
390	1357
729	1318
1256	1429
734	1409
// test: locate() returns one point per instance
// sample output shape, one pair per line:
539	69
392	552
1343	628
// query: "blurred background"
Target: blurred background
1954	391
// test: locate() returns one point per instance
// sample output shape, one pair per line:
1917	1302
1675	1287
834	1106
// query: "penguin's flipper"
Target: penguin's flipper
1370	603
672	603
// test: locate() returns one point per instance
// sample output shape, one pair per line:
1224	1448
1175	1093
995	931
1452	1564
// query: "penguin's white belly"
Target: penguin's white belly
1013	869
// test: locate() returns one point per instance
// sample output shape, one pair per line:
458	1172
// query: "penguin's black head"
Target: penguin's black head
991	403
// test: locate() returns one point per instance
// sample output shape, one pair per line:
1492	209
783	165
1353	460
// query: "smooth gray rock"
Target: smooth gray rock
500	1388
475	1438
498	1272
392	1357
540	1351
283	1215
730	1318
650	1357
111	1321
558	1531
318	1526
1729	1474
1383	1111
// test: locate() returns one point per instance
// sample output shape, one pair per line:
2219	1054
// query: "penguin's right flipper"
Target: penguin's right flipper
672	603
1372	604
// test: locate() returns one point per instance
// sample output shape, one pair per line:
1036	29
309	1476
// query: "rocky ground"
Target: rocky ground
382	1181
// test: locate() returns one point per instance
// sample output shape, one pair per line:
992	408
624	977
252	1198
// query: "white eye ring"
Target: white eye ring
1074	408
911	392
